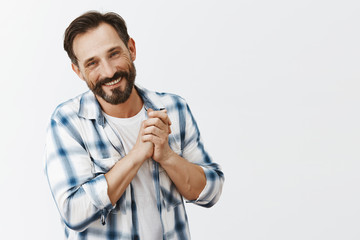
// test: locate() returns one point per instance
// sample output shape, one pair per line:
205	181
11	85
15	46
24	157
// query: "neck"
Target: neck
123	110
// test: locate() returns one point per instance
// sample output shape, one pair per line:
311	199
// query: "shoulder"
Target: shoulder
168	100
67	109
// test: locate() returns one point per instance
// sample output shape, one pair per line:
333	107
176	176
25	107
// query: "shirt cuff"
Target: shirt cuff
205	192
96	190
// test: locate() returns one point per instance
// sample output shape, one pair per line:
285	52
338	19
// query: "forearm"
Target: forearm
120	176
78	206
194	174
188	178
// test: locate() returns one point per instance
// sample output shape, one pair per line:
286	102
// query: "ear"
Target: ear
77	70
132	48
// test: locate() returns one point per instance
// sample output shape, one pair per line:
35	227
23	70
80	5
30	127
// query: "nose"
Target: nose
108	70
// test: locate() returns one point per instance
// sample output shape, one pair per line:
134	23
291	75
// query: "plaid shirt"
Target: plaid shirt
81	147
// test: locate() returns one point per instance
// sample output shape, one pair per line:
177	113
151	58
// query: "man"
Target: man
119	158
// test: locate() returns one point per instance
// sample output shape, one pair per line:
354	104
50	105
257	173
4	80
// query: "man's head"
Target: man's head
91	20
102	54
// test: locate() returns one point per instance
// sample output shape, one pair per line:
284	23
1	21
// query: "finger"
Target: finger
153	139
169	129
160	114
155	122
155	131
165	111
168	118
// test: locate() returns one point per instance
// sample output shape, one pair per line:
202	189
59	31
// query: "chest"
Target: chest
109	143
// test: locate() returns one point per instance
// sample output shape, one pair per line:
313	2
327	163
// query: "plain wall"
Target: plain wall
273	85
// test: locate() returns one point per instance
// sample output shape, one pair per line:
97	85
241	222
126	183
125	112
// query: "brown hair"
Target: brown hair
91	20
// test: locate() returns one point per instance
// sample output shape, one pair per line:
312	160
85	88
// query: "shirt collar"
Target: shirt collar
90	107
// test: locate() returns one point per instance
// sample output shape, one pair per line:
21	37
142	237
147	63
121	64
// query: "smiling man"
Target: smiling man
120	158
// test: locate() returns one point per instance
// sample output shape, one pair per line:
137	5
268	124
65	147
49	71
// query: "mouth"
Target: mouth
113	82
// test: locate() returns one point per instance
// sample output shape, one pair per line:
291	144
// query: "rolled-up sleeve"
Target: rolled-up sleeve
80	195
194	151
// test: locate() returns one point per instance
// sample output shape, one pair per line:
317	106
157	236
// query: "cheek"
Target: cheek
91	76
123	62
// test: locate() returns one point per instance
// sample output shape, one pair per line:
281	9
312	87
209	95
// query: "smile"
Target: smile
113	82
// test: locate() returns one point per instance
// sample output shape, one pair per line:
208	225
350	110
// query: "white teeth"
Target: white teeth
113	82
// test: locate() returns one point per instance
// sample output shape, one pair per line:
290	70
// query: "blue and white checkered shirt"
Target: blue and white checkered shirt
81	147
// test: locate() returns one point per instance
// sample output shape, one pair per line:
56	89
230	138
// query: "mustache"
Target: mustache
116	76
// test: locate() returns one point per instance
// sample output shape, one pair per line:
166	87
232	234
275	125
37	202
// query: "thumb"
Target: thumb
149	110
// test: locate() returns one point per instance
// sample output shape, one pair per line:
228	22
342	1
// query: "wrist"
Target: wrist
136	156
168	158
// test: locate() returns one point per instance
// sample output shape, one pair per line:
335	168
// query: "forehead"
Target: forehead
96	42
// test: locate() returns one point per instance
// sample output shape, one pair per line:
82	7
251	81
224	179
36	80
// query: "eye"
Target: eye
91	64
113	54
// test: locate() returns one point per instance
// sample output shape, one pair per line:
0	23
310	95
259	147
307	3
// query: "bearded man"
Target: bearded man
120	159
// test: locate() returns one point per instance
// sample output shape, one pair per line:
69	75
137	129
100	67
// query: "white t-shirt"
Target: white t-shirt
144	191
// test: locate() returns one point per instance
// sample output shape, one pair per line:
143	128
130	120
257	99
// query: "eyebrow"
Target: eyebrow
88	60
112	49
115	48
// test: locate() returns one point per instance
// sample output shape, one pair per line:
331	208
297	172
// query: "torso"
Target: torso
144	190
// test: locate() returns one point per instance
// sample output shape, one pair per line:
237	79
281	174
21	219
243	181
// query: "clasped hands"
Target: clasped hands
152	141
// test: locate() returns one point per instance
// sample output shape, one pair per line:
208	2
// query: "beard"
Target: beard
117	96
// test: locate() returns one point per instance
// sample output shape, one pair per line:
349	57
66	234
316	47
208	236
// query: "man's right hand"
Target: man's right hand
120	176
123	172
142	150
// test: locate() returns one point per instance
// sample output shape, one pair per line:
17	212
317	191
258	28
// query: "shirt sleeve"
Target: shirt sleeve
80	195
194	151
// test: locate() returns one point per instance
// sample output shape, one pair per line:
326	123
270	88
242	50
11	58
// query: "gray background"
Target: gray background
274	86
